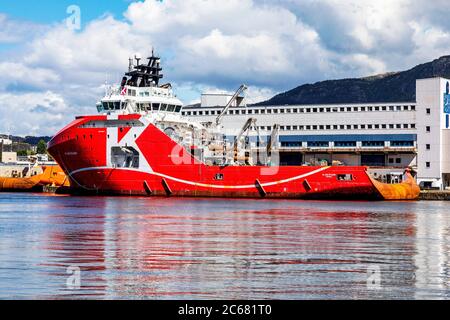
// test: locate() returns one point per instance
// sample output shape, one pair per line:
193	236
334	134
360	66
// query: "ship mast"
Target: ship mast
144	75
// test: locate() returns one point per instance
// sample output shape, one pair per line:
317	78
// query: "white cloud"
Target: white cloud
13	73
269	45
13	31
41	113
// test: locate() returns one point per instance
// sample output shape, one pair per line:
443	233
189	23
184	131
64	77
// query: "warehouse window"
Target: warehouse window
373	143
340	144
291	144
402	143
320	144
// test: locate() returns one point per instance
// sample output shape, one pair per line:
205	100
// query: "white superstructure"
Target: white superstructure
391	135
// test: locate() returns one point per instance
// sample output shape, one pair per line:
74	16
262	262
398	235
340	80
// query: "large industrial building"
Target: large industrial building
390	135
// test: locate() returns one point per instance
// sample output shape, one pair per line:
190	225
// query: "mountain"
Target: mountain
389	87
32	140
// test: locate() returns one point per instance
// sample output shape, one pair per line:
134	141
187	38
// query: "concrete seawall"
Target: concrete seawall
432	195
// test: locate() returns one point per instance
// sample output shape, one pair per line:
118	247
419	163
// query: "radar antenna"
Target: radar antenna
144	75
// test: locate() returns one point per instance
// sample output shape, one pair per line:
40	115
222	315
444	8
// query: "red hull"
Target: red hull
83	155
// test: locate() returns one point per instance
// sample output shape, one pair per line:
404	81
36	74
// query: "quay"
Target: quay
434	195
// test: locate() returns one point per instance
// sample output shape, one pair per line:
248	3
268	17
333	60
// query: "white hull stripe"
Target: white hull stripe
215	186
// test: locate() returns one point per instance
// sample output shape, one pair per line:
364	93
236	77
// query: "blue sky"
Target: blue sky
50	11
205	45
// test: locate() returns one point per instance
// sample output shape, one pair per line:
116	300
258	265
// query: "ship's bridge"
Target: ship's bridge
140	91
142	100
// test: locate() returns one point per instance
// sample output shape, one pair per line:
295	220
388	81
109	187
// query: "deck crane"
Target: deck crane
273	139
248	124
241	89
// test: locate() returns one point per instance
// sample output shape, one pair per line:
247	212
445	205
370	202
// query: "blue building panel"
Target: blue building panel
348	137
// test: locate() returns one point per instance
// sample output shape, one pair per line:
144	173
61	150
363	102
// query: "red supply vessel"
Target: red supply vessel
140	144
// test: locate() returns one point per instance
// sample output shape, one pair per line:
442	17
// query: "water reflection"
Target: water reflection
231	249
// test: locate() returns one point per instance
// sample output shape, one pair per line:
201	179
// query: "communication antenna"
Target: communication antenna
137	60
130	64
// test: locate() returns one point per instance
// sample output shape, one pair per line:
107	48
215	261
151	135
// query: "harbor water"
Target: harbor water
66	247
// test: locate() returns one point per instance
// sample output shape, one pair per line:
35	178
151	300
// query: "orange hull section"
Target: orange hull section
52	176
407	190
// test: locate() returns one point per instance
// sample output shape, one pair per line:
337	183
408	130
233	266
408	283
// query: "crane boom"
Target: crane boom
273	138
241	89
247	125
